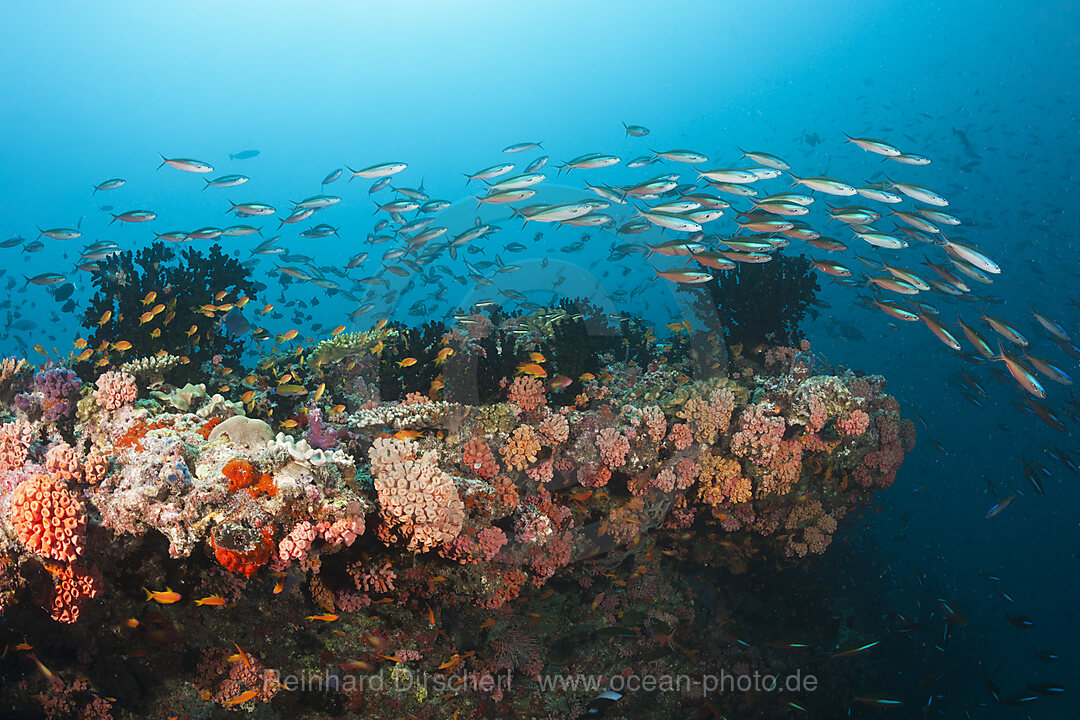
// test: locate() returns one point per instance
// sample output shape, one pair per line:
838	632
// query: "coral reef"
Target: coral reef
331	530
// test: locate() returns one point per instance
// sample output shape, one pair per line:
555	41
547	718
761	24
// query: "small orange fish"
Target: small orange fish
248	396
150	297
219	295
158	309
80	343
356	665
279	586
192	330
146	317
241	698
381	324
85	355
122	346
156	332
537	357
165	597
337	331
242	302
337	409
290	335
532	370
586	377
318	392
132	622
407	362
102	362
40	349
326	617
215	600
436	385
268	308
243	655
105	317
487	623
24	646
443	354
393	658
407	434
290	424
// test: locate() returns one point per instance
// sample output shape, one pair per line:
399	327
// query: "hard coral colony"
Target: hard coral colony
406	530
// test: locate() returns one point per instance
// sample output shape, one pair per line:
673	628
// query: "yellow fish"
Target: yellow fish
80	343
150	297
122	346
156	332
290	335
443	354
85	355
289	390
192	330
537	357
407	362
105	317
159	308
337	331
146	317
337	409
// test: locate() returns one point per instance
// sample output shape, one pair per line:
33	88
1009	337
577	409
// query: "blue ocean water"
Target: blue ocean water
988	91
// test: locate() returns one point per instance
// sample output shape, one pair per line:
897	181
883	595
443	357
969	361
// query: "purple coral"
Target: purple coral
318	435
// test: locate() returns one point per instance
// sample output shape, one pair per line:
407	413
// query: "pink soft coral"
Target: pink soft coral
115	389
613	447
527	393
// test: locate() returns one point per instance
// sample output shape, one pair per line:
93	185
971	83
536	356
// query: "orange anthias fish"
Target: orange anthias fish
241	698
150	297
408	434
80	343
532	370
85	355
105	317
165	597
443	354
407	362
337	331
122	346
290	335
326	617
537	357
216	600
